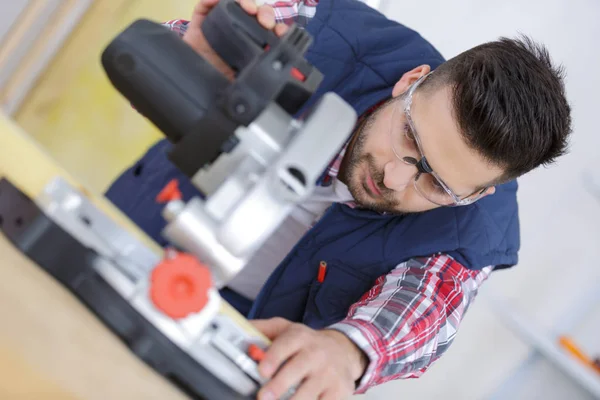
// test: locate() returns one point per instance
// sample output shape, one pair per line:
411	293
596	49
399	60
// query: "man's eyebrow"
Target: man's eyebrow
410	130
411	124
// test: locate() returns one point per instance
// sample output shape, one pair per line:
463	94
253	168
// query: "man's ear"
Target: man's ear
409	78
489	191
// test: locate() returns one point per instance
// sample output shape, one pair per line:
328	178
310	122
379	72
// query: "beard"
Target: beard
354	160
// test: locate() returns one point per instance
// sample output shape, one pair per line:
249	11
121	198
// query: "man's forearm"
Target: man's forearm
410	317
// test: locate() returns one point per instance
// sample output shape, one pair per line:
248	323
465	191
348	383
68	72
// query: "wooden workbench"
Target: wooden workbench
51	346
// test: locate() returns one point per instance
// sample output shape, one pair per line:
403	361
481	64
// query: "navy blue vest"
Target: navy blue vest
362	55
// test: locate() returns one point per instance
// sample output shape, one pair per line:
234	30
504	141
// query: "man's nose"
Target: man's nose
397	175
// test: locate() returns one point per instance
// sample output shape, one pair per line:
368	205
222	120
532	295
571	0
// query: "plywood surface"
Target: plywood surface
52	347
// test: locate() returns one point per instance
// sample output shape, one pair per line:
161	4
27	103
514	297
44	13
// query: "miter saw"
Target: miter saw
241	143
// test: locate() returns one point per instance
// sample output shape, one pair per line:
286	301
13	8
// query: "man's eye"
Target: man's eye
408	133
437	187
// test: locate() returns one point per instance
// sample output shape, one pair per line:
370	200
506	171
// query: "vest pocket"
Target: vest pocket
312	316
328	301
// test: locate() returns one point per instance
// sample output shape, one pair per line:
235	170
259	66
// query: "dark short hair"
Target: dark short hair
509	103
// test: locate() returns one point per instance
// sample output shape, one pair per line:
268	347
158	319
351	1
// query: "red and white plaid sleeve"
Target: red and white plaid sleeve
288	12
298	11
178	26
410	317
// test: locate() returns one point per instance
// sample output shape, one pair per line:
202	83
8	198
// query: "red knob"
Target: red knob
170	192
179	285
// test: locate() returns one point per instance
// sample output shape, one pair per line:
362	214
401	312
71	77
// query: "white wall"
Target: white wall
9	12
560	220
31	33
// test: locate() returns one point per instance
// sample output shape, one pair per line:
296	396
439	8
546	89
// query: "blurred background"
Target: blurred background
52	85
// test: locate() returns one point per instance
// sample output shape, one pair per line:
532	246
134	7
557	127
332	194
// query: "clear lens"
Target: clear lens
406	148
403	141
430	188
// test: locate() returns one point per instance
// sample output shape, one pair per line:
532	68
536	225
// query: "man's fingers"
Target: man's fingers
266	16
201	10
286	345
249	6
271	328
290	375
281	29
310	389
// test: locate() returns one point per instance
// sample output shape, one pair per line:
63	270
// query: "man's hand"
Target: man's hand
322	364
195	38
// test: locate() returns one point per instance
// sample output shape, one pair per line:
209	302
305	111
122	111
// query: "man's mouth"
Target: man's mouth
371	186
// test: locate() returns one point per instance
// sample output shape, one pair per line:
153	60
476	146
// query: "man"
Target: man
412	216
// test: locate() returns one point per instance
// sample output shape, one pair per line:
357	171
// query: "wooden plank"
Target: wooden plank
18	380
61	345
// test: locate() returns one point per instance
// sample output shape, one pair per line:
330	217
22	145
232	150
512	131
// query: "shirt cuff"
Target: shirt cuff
360	334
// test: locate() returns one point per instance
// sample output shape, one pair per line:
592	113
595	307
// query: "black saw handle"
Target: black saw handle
190	101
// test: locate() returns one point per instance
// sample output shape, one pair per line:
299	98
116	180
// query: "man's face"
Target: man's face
379	180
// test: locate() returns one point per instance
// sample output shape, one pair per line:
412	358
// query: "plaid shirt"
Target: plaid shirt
411	316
